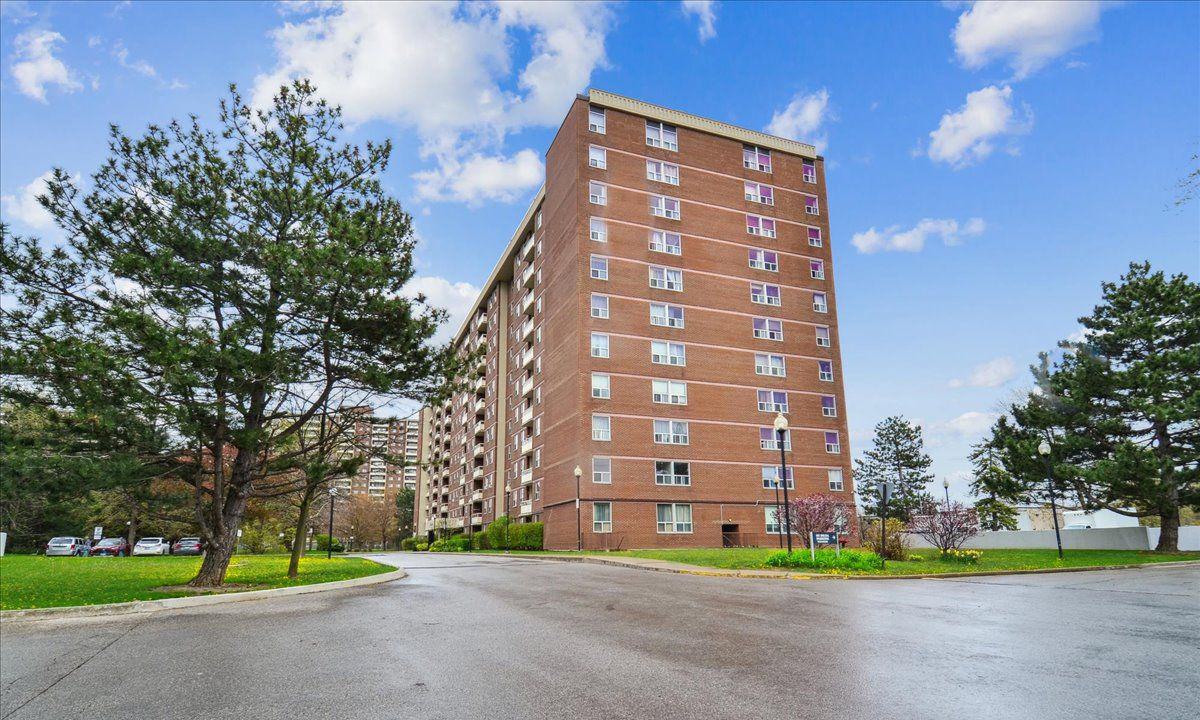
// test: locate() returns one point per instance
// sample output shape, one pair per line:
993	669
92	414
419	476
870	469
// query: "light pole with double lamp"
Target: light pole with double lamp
329	545
1044	450
781	428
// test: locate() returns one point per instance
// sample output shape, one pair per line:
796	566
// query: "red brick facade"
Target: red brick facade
537	311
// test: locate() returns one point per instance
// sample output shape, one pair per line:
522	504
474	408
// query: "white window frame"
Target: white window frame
826	411
758	259
773	443
776	335
760	295
808	171
668	392
666	283
675	525
658	207
601	527
595	113
597	193
601	477
837	480
753	193
597	157
603	389
601	272
818	241
834	448
815	208
772	405
821	374
659	171
598	229
770	482
600	313
668	358
659	138
764	364
760	230
820	302
598	351
671	436
665	319
755	164
658	242
673	478
825	341
602	434
816	269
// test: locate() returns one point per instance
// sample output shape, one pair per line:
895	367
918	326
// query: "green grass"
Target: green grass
992	560
34	581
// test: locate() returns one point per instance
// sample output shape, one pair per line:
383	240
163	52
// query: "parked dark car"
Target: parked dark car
187	546
112	547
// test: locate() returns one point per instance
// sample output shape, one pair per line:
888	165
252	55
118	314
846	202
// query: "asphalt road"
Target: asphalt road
488	638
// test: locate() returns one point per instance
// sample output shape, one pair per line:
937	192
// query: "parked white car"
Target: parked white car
152	546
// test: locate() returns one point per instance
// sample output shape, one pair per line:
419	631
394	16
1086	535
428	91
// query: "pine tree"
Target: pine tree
991	478
898	456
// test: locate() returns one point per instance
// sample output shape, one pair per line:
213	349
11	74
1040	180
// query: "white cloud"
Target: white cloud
706	13
803	119
481	177
967	135
969	424
24	207
893	239
141	67
1027	33
35	67
455	298
990	374
16	11
448	70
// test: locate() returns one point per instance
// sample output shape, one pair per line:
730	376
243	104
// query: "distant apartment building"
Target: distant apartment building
668	292
395	462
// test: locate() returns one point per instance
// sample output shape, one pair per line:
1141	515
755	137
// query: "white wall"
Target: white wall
1121	538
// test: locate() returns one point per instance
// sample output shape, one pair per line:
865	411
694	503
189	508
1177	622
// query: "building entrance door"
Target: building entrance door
730	536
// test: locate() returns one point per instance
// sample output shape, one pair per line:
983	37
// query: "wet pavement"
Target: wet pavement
492	637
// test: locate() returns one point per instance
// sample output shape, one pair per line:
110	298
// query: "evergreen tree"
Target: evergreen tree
995	514
989	478
222	287
898	456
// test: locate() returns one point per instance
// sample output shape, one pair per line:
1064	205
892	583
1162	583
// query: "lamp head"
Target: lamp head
578	472
781	424
1043	448
946	484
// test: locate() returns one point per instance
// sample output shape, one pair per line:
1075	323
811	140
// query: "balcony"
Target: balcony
527	416
526	329
526	446
526	386
454	522
481	321
526	476
477	496
527	249
526	358
527	277
479	428
526	507
527	304
480	385
478	451
477	473
479	407
477	519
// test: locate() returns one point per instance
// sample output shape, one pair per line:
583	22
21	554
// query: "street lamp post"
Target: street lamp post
946	487
1044	450
578	518
781	426
885	490
329	545
778	521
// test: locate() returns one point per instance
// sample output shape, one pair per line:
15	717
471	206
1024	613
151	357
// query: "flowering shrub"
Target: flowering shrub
946	527
969	557
826	560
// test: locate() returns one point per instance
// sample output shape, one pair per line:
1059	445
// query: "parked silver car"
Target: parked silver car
152	546
67	546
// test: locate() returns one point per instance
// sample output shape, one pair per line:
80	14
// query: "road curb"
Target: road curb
764	574
137	607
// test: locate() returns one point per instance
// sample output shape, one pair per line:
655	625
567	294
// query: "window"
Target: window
666	278
822	336
772	401
814	237
671	432
666	242
674	518
772	516
670	392
770	478
825	370
661	135
599	345
596	120
763	294
759	193
835	480
810	205
766	364
601	386
670	472
665	207
666	315
810	171
816	269
600	306
756	158
832	445
597	157
599	268
767	439
599	230
663	172
764	260
768	329
601	428
602	470
828	406
667	353
601	517
756	225
597	193
819	302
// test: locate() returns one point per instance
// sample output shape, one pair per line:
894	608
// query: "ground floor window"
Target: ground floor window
602	517
674	518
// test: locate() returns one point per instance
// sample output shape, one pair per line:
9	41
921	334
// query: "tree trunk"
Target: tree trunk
298	538
218	553
133	528
1168	536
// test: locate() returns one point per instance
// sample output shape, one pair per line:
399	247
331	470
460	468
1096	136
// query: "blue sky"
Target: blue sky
989	164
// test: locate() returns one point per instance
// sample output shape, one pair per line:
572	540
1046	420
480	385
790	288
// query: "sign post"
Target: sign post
97	532
885	491
823	538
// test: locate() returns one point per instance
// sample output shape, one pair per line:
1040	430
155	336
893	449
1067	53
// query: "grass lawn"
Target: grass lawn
35	581
928	562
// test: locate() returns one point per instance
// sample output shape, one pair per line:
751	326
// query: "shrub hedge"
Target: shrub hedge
826	560
519	536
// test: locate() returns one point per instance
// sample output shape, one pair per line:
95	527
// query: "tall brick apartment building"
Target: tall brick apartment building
668	292
376	477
